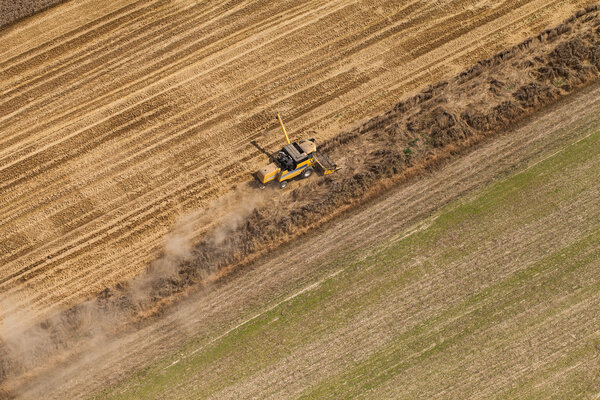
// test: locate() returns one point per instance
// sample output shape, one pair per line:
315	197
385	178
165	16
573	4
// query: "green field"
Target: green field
495	296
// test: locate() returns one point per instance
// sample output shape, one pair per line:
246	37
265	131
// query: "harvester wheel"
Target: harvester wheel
283	184
307	172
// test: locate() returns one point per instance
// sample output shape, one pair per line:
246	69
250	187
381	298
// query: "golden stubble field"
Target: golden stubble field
117	117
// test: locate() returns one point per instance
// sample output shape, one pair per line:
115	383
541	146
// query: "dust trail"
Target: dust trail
211	224
30	349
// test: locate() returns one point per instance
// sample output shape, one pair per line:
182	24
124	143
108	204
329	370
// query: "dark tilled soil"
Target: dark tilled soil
14	10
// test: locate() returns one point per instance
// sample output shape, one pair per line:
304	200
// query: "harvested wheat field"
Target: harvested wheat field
128	135
116	117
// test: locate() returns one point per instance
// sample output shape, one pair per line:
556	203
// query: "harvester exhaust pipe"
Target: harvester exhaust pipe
287	139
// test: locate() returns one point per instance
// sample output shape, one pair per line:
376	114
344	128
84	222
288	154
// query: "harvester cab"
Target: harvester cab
294	160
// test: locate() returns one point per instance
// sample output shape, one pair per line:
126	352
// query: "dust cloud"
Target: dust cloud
31	350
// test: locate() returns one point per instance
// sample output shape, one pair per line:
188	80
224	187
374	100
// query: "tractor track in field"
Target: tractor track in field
113	128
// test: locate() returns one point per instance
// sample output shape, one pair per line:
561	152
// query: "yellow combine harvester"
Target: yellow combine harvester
294	160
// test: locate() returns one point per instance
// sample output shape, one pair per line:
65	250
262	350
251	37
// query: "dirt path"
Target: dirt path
125	114
218	311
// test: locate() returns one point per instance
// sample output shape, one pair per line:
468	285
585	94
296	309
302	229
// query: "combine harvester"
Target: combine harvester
294	160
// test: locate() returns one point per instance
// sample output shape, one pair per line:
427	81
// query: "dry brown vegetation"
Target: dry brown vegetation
413	136
11	10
